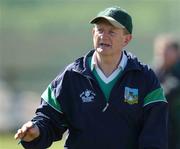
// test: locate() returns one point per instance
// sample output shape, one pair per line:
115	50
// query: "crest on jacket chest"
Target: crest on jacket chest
87	96
131	95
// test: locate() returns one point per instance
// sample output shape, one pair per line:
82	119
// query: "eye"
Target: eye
112	33
100	30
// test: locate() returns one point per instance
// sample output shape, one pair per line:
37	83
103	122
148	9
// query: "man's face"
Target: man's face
109	40
171	56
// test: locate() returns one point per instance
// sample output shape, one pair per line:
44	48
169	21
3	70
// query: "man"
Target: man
167	68
106	99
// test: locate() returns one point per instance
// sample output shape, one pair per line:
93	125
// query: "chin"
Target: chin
103	51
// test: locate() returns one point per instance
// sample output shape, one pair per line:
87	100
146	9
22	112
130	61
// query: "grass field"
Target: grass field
7	142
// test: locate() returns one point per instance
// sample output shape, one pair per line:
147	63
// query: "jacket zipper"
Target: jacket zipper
105	108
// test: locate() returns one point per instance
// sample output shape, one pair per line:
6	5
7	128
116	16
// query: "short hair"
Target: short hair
126	32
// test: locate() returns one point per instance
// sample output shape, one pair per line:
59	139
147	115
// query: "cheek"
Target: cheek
170	57
95	40
170	54
118	43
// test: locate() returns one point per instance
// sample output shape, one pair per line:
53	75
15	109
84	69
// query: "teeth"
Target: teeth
103	44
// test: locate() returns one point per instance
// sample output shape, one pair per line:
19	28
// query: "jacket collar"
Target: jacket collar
121	65
81	65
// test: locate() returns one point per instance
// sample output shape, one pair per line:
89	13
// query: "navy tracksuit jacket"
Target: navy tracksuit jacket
131	119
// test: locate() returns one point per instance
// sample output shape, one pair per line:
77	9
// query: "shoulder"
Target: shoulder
80	64
143	71
76	66
136	64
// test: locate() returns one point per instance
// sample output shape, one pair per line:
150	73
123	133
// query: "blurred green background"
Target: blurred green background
39	37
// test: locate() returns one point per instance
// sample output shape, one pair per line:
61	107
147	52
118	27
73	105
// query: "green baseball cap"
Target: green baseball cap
116	16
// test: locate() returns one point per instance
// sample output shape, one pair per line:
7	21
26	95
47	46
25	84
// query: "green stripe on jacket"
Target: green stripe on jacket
50	98
156	95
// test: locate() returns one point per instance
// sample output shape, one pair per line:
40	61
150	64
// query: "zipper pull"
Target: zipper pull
105	108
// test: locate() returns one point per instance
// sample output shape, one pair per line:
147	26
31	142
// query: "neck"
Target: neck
108	63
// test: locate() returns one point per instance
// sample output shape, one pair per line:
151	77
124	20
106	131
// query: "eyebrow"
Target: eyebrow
112	27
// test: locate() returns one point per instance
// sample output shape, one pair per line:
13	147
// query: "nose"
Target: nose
103	35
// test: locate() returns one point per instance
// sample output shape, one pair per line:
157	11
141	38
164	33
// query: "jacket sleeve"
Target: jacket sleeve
49	116
154	133
52	125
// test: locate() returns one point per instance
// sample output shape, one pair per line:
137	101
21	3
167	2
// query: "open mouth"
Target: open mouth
104	45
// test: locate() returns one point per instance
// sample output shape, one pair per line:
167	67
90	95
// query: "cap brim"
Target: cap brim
109	19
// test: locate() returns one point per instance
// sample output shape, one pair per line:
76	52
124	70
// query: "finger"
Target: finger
16	136
27	126
19	134
23	130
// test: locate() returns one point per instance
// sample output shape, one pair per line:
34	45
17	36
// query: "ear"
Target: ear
93	31
127	39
